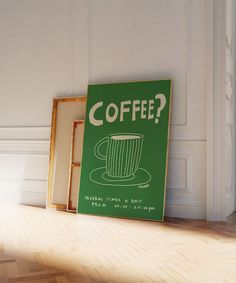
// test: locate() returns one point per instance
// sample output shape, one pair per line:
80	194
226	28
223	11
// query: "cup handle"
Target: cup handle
97	152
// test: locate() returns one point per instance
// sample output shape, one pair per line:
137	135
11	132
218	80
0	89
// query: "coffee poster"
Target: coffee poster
124	166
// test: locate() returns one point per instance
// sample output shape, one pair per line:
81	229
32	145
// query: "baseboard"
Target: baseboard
193	211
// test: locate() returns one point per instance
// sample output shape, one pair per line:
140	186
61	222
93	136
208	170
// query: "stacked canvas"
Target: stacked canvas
124	141
64	137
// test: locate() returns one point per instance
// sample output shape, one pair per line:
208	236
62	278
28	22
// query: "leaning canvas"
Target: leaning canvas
124	165
75	164
65	110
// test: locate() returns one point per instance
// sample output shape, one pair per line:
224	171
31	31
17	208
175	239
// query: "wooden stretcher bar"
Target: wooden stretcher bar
75	164
64	111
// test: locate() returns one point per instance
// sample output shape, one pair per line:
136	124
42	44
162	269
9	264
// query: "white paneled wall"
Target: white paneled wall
229	111
23	163
44	53
55	47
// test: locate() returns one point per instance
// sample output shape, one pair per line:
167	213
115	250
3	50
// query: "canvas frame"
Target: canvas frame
74	165
98	176
55	112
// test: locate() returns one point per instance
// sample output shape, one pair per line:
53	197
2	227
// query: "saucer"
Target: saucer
100	176
106	177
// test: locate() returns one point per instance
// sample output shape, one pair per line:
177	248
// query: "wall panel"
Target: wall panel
24	169
187	179
161	39
55	47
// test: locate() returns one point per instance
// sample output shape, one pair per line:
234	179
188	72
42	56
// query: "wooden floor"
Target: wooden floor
37	245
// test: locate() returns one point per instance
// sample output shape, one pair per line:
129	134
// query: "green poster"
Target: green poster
124	166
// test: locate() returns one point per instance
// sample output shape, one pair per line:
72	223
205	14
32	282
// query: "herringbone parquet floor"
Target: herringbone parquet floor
43	246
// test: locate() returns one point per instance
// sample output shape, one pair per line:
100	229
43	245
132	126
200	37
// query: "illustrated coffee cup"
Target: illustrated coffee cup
123	154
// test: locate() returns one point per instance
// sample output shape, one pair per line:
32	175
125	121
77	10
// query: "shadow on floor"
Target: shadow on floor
44	264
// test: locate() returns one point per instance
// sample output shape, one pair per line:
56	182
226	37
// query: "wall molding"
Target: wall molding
25	133
27	147
190	175
187	187
188	42
216	119
217	206
192	128
24	152
234	100
31	187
